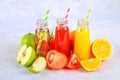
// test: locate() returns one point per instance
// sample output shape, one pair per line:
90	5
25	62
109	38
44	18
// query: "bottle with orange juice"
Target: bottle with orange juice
82	40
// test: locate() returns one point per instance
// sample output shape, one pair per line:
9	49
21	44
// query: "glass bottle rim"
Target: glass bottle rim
41	23
62	20
82	22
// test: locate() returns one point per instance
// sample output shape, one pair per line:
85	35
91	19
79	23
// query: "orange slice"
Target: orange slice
102	49
91	64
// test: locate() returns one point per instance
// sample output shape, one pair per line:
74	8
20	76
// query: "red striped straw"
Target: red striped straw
67	13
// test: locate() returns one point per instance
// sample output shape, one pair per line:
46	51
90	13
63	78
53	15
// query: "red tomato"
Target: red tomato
52	43
73	62
56	60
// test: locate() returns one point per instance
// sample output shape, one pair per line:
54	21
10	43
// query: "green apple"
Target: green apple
26	55
38	65
28	39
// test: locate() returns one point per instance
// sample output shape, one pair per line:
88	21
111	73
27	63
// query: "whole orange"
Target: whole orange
72	37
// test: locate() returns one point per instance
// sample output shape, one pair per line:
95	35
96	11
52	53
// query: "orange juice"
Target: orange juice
82	41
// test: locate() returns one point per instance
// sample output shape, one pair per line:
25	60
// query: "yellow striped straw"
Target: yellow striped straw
88	15
89	11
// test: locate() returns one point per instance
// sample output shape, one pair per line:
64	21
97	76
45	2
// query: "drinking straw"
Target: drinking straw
67	14
52	34
88	15
40	41
46	17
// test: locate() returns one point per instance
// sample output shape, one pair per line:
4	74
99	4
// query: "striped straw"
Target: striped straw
67	13
42	36
89	10
88	15
46	17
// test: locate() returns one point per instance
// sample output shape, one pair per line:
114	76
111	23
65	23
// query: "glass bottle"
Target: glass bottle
82	40
62	36
41	33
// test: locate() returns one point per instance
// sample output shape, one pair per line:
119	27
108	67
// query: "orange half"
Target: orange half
102	49
91	64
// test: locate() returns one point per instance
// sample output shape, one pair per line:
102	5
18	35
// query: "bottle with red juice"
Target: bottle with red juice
62	36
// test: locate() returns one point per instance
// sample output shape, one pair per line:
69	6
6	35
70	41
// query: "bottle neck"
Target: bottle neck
82	25
41	23
62	22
